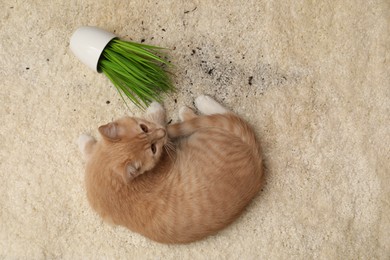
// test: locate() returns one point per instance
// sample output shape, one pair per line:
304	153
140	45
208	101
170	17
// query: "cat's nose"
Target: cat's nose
158	134
161	133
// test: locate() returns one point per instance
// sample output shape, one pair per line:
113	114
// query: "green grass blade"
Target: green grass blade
136	71
121	88
127	47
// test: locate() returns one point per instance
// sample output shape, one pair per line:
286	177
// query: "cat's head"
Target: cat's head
134	144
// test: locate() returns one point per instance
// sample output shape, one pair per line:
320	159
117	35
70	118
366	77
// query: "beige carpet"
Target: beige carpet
312	77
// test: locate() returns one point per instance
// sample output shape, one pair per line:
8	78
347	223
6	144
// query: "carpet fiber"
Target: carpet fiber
312	77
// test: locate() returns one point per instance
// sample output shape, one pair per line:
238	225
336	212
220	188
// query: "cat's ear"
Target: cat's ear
131	171
110	131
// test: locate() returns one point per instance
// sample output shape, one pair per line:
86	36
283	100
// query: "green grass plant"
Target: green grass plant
137	71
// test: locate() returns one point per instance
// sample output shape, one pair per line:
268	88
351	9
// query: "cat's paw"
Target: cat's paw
154	107
186	113
208	106
84	142
156	113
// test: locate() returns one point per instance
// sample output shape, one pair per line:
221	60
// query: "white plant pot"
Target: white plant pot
88	43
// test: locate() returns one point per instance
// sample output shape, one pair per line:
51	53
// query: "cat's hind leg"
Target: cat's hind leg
156	113
208	106
190	123
86	144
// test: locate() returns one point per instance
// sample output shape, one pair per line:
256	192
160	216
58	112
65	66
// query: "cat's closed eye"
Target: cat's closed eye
144	128
153	147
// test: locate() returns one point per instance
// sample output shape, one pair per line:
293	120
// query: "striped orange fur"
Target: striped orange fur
177	183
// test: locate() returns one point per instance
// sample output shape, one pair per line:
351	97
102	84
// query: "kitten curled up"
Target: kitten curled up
177	183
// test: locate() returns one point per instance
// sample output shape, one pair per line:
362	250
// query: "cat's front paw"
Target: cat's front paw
83	140
156	113
85	143
208	106
186	113
154	107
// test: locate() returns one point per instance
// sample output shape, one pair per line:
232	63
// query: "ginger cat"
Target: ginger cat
177	183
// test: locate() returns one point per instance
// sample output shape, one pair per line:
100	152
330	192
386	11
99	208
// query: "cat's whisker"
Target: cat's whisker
170	149
168	152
